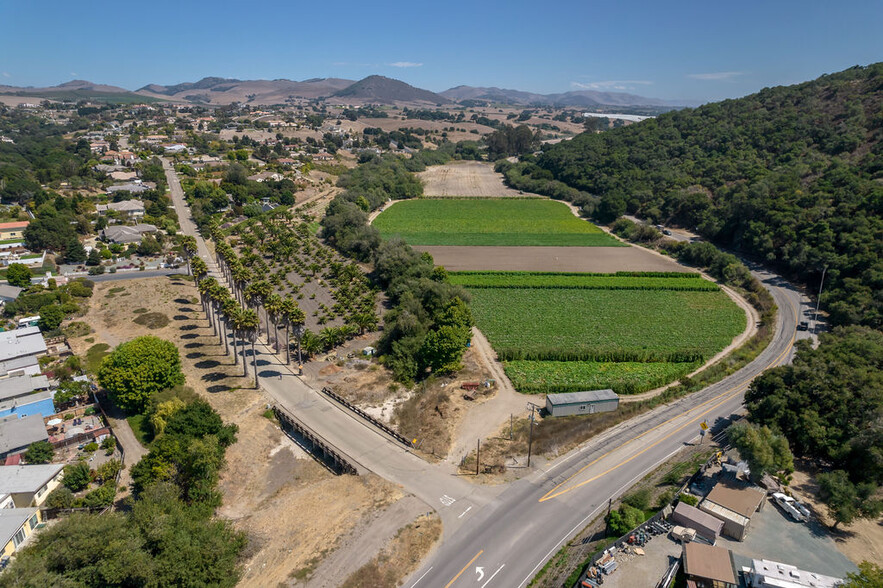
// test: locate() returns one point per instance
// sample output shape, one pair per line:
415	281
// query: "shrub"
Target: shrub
76	476
688	499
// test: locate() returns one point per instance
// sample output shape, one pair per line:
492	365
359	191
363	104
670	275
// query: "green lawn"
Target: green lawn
140	428
620	281
497	221
95	355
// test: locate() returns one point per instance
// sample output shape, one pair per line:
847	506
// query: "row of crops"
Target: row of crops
670	281
629	332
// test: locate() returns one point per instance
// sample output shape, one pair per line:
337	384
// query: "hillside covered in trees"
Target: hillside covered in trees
790	176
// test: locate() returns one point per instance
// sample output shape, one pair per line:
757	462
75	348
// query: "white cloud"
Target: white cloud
608	85
6	74
405	64
717	75
73	73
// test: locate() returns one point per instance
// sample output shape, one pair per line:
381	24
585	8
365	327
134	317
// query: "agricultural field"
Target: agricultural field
629	332
490	221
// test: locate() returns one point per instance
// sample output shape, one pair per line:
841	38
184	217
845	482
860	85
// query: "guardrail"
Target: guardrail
324	451
382	426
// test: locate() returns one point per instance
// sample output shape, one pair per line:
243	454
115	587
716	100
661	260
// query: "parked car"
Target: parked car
787	504
803	326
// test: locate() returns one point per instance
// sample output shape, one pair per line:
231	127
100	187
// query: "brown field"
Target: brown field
552	259
464	178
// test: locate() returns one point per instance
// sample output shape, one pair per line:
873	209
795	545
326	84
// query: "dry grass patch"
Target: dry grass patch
400	557
152	320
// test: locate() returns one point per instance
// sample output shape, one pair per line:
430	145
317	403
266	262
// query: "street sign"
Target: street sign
703	425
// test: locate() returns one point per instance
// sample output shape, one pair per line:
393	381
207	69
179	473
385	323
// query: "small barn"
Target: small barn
573	403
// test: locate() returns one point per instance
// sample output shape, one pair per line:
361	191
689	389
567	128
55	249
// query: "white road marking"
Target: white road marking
464	512
492	577
447	500
480	571
421	577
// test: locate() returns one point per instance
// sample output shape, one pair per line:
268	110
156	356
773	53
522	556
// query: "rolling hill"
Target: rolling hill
214	90
383	90
578	98
74	90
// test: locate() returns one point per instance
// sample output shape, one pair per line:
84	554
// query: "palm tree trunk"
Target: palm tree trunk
226	337
254	362
220	328
276	336
244	360
235	355
287	344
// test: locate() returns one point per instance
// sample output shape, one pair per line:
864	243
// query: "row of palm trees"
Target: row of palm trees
237	314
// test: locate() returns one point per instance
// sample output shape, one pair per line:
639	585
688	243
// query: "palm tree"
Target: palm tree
246	325
273	307
198	269
292	315
228	312
310	343
189	249
364	320
205	287
256	294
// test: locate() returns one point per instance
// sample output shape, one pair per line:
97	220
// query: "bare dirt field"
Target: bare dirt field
551	259
269	482
464	178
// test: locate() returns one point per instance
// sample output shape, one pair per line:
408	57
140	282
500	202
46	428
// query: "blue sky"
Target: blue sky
673	50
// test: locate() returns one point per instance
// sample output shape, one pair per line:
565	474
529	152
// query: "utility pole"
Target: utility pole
510	426
530	435
478	457
815	318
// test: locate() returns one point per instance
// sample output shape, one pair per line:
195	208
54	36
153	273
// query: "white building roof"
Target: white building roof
27	478
21	342
772	574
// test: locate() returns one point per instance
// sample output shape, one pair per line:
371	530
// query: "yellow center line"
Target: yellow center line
460	573
736	389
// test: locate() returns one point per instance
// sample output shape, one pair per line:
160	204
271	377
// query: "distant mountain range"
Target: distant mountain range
374	89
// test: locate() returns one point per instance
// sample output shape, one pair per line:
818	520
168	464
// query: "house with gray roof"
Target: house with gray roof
126	234
132	209
16	525
8	294
29	485
20	350
22	385
17	434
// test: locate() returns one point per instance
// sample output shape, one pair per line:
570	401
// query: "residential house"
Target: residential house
174	147
134	188
13	230
16	525
8	294
771	574
707	566
131	209
22	386
20	351
266	176
322	157
126	234
734	504
99	146
29	485
40	403
17	434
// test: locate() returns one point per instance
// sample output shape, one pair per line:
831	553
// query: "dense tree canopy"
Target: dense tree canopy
138	369
788	175
829	403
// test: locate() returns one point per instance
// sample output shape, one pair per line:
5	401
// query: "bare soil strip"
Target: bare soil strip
551	259
465	178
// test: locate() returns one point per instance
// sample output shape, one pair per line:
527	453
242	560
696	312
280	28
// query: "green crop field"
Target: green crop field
629	332
622	281
627	377
497	221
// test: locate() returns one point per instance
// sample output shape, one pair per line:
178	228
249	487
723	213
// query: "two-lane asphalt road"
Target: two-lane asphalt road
509	540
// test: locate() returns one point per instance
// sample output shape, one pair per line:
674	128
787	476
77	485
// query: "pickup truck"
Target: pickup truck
789	505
